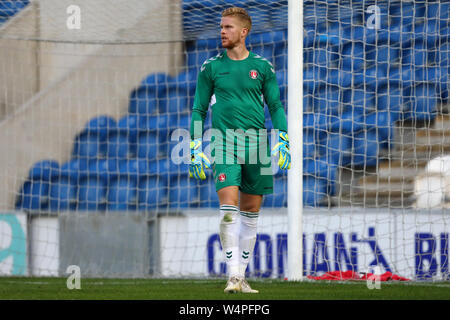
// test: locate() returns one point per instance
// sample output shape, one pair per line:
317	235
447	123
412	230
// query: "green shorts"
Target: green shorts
250	178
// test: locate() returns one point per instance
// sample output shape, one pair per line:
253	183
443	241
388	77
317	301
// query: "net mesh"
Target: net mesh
96	104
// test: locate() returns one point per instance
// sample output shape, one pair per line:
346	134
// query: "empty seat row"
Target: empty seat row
9	8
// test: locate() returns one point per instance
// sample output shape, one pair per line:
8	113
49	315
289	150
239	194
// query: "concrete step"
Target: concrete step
433	137
375	199
382	185
420	152
400	168
442	122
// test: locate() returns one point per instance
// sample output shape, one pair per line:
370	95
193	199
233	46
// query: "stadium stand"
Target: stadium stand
9	8
359	85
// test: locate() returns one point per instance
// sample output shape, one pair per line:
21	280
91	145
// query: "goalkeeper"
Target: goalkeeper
234	83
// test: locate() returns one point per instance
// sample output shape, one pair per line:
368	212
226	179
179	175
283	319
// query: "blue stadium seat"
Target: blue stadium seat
143	100
43	170
373	77
423	103
327	99
155	123
348	123
265	50
282	84
319	122
129	124
382	124
189	77
365	149
390	99
309	83
153	79
207	44
10	7
152	192
336	148
314	191
382	54
147	146
317	167
279	196
64	185
279	39
260	15
196	57
325	55
180	120
444	55
438	10
444	83
88	146
92	194
420	9
341	78
90	143
416	53
159	167
358	101
430	30
352	58
426	74
34	194
208	194
134	167
122	193
93	185
401	78
183	191
63	194
118	145
309	144
172	97
100	126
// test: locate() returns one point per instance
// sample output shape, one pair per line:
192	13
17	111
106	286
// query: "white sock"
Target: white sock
229	237
247	239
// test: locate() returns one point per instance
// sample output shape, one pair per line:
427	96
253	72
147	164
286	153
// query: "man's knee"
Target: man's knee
251	203
229	195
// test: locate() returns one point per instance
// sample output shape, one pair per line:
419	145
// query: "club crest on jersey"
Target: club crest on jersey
222	177
253	74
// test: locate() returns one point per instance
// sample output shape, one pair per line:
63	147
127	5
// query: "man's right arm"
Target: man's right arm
203	93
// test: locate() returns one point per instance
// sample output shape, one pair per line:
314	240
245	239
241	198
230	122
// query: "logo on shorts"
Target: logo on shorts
222	177
253	74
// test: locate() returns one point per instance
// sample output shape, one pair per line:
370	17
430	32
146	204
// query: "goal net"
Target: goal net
95	109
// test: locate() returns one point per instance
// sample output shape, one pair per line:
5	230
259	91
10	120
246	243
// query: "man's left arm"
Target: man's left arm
271	93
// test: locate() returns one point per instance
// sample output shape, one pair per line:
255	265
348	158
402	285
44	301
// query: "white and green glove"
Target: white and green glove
282	148
199	161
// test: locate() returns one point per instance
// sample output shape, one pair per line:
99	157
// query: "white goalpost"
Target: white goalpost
295	127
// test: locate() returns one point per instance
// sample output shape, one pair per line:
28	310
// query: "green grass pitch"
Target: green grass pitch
50	288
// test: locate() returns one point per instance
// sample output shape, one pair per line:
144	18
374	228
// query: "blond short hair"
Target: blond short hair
241	14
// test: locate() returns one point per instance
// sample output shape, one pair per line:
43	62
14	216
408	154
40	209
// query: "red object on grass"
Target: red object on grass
351	275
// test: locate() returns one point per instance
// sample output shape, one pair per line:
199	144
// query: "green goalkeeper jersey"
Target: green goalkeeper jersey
236	90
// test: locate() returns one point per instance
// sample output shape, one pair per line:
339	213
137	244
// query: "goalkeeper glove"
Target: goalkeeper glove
198	161
282	147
